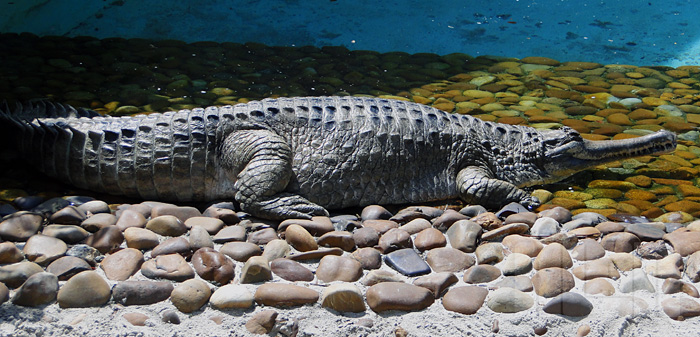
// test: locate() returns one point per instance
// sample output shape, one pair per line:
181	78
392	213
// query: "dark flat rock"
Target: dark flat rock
407	262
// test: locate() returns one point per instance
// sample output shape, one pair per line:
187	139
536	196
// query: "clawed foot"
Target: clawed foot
285	206
530	202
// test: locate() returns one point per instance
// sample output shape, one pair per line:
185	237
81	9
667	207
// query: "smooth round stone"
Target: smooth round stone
587	250
608	227
599	286
240	251
379	276
621	242
395	239
597	268
231	296
213	266
375	212
170	316
684	241
569	304
407	262
166	225
369	258
544	227
415	226
465	300
86	289
481	274
211	225
627	305
43	249
523	245
94	207
256	269
525	217
135	318
429	238
343	297
299	238
550	282
625	261
398	296
559	214
340	239
489	253
437	283
122	264
672	286
284	295
509	300
448	259
680	308
510	229
317	226
338	268
102	220
365	237
229	234
645	232
464	235
190	295
199	238
106	239
178	245
4	293
291	270
568	240
69	215
15	274
67	266
170	267
181	212
20	226
262	322
669	267
140	238
516	264
141	292
692	267
520	282
316	254
129	219
67	233
227	215
553	255
448	218
9	253
636	280
145	210
39	289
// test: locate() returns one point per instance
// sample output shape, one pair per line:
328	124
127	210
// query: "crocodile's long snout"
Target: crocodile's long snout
609	150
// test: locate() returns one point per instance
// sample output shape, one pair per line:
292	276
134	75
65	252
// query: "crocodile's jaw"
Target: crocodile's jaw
579	154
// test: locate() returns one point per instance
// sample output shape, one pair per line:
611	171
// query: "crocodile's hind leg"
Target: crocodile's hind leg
262	163
475	186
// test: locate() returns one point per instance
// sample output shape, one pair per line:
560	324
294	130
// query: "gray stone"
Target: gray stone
39	289
86	289
544	227
569	304
509	300
20	226
141	292
464	235
241	251
636	280
67	233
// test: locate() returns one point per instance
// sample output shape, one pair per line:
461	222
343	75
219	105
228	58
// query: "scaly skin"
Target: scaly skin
297	157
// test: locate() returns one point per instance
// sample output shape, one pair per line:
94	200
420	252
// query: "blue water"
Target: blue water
640	32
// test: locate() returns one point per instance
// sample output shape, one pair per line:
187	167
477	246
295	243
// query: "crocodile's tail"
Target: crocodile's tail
168	156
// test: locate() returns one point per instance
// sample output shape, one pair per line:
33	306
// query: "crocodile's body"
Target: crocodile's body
294	157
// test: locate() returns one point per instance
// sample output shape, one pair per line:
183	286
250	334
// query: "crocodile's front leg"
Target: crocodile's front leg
261	161
476	186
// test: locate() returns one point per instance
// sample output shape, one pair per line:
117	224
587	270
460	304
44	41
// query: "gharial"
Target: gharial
298	157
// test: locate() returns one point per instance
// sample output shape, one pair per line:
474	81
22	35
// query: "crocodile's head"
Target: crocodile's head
566	152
